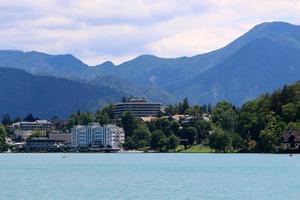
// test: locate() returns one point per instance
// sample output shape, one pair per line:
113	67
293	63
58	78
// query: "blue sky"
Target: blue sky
118	30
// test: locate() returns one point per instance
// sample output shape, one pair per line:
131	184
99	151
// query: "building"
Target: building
113	136
31	126
57	136
138	108
42	144
178	118
95	135
291	140
59	124
148	118
85	136
22	135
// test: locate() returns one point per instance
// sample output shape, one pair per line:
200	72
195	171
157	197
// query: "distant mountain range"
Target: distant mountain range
46	96
261	60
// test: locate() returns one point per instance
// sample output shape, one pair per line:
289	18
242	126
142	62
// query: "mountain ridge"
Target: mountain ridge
192	77
46	96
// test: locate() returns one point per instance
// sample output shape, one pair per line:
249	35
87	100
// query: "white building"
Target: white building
113	135
31	126
95	135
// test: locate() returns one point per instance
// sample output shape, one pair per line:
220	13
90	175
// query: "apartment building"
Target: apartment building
94	134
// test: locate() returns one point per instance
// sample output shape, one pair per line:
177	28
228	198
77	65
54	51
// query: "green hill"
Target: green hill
45	97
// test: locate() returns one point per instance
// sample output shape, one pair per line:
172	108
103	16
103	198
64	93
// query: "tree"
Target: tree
185	105
224	115
158	140
109	110
17	119
160	124
81	118
141	137
237	141
270	136
102	118
209	108
129	123
289	112
175	127
29	118
195	111
172	142
251	119
87	118
129	144
170	110
205	108
3	145
189	134
295	126
36	134
73	120
220	141
164	125
203	127
6	120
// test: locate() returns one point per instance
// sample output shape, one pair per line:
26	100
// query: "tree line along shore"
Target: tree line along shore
268	124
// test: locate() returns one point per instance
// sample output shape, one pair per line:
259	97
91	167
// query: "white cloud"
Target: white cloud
99	30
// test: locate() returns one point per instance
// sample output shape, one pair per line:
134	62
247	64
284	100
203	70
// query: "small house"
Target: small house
291	140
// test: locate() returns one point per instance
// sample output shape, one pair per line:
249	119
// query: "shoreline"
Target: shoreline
141	152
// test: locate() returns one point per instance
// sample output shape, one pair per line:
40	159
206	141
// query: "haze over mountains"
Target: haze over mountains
262	60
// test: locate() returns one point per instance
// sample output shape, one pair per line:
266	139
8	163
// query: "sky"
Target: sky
118	30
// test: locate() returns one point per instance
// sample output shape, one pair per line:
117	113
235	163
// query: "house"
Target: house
178	117
31	126
59	124
290	140
148	119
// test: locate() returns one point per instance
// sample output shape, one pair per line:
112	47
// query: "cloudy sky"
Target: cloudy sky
118	30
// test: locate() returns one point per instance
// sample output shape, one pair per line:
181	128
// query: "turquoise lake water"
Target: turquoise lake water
149	176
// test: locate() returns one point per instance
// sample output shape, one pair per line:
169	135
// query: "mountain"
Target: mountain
252	70
69	67
261	60
43	64
151	93
45	96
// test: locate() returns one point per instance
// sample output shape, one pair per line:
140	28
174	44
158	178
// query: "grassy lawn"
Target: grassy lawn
194	149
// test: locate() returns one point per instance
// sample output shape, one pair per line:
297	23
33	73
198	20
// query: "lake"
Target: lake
149	176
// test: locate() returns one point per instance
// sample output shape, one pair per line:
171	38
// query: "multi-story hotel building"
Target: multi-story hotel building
138	108
113	135
95	135
31	126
